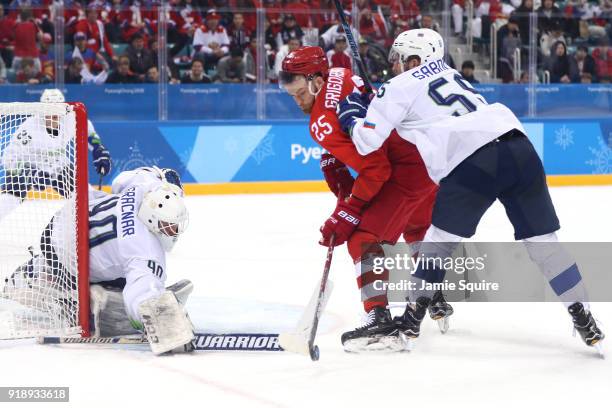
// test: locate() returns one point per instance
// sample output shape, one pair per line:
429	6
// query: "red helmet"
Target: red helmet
305	61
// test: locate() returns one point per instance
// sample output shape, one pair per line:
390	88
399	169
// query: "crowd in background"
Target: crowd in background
215	40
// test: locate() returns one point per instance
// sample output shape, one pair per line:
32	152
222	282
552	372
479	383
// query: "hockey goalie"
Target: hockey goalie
130	230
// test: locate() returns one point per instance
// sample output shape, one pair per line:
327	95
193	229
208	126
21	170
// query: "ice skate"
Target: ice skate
378	333
440	311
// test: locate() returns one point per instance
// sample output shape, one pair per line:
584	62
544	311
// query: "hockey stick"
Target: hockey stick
302	339
354	50
203	341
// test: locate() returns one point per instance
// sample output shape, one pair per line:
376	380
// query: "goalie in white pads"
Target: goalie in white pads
129	232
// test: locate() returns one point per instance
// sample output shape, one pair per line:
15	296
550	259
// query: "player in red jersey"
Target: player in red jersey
392	194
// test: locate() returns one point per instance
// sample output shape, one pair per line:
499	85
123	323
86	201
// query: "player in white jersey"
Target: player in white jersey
36	157
477	153
130	230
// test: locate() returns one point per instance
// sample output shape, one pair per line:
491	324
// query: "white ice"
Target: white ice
254	260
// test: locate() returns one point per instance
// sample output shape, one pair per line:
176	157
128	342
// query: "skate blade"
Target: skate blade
383	344
409	342
600	350
443	324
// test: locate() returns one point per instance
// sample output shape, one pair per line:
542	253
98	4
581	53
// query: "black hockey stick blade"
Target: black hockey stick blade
202	342
354	49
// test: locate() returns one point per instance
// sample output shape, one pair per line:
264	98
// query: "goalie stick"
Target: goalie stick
354	50
202	342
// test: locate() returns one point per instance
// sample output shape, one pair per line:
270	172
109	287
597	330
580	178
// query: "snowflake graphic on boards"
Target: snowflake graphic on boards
564	137
135	159
602	157
264	149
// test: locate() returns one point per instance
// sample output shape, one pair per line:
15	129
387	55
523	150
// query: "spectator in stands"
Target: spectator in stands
373	27
299	10
563	68
522	17
231	68
374	63
152	75
427	21
467	70
292	45
405	14
508	41
549	16
338	56
239	35
93	28
47	74
46	50
80	50
122	74
457	11
250	60
196	74
211	41
549	38
603	59
141	59
115	20
26	34
289	30
586	63
328	38
2	71
27	73
6	37
73	73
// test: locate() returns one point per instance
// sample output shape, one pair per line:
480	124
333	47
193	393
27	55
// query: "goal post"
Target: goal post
44	226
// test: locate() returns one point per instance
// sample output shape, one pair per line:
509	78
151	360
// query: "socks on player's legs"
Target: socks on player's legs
559	268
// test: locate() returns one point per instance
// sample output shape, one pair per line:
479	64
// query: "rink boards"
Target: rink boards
280	156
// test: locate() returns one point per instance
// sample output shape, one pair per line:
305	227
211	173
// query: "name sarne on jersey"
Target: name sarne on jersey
128	210
431	69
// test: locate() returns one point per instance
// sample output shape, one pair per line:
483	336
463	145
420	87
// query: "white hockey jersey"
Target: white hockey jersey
434	108
120	245
32	144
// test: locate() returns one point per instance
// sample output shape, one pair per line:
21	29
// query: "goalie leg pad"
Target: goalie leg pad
166	323
109	316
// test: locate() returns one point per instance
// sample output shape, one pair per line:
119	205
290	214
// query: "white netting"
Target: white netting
38	250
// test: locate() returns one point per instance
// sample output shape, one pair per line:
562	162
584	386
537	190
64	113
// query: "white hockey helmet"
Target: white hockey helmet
52	96
163	211
424	43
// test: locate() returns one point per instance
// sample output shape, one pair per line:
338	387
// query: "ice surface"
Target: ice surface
254	260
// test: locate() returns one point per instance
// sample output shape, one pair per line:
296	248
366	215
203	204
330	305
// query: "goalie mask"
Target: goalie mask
424	43
164	213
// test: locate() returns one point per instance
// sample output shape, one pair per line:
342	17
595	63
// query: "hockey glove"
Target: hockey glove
352	107
102	159
342	222
337	175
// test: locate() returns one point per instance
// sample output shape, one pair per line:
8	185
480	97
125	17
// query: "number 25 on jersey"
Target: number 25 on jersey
320	128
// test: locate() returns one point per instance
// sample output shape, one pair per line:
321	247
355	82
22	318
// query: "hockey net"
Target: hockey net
44	286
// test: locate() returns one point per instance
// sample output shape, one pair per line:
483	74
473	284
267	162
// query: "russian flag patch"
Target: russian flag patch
369	125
